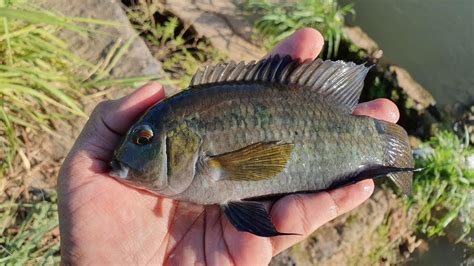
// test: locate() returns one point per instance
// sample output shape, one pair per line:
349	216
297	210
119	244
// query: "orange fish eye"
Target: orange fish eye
143	135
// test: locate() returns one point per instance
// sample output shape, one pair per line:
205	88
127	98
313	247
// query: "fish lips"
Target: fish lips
119	170
125	174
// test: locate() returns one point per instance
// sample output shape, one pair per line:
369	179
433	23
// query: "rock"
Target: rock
137	61
423	99
219	23
359	38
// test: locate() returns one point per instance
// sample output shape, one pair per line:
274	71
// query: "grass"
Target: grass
40	78
171	42
29	234
41	81
277	20
444	189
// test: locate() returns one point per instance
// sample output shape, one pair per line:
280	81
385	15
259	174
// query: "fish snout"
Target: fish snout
119	170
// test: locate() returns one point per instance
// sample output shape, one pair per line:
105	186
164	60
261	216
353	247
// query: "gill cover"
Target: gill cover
182	152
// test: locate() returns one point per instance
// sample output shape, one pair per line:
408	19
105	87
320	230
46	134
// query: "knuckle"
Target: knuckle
303	213
334	206
103	107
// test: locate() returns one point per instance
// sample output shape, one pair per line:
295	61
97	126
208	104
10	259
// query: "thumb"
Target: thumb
120	114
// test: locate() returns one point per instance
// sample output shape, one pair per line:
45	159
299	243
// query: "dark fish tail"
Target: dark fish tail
397	154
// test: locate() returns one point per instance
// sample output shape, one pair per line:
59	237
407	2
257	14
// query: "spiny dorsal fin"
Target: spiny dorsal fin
255	162
337	81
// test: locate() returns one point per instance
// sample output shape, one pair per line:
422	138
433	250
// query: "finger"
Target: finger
304	44
121	113
382	109
304	213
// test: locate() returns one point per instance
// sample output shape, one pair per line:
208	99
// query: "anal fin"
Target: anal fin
251	216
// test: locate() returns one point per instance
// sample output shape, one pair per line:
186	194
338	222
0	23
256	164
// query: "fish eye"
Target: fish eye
143	135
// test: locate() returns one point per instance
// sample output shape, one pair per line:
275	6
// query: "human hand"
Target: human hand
105	222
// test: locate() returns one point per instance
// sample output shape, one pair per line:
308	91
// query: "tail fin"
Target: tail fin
398	154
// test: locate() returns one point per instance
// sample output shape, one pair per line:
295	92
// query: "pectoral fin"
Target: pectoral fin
251	216
255	162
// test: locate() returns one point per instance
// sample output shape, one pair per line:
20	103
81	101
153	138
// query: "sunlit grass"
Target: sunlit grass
28	231
40	78
444	190
41	81
277	20
180	51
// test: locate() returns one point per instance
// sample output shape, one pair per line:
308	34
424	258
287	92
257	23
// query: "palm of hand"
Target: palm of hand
111	222
103	221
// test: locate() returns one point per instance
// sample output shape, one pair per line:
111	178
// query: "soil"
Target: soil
374	233
38	165
359	237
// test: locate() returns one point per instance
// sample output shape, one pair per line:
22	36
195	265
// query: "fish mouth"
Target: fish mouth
124	173
119	170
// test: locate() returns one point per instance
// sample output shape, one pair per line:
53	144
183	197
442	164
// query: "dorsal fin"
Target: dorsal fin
337	81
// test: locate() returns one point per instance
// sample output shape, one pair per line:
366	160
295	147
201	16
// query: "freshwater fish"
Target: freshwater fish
243	132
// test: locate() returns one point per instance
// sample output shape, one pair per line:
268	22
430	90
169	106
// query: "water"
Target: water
442	252
433	40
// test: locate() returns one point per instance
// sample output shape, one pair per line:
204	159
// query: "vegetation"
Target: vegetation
29	232
171	42
277	20
444	189
41	81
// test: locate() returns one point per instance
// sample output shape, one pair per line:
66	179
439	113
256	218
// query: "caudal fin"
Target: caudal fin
398	154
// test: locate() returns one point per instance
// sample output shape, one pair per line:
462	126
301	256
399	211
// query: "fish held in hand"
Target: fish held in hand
242	132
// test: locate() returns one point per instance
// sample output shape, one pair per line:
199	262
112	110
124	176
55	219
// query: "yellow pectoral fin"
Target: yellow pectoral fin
258	161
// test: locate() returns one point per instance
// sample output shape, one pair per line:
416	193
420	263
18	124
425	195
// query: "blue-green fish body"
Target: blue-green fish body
246	131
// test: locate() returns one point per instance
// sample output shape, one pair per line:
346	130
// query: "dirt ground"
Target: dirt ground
361	237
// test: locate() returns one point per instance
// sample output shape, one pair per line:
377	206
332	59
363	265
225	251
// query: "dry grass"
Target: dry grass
43	85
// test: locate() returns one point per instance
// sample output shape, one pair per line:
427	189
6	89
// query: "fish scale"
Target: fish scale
246	131
326	138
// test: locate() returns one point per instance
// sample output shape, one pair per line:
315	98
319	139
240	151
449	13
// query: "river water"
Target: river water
433	40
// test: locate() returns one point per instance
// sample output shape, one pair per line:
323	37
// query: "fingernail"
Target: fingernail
368	189
393	116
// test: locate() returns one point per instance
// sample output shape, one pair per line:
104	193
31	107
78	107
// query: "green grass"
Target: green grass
276	21
171	42
28	231
40	78
444	189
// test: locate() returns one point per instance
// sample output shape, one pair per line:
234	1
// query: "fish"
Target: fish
244	132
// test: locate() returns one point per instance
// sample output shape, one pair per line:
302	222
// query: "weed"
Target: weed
276	21
170	41
28	234
40	79
444	189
